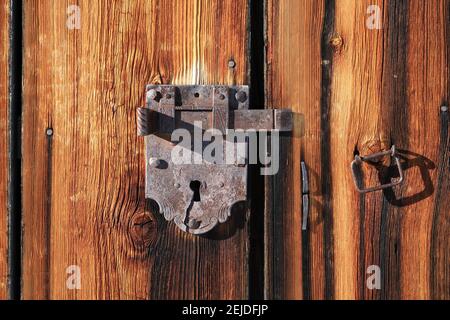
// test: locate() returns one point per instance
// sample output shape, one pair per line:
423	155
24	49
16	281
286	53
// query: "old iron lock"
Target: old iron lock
198	196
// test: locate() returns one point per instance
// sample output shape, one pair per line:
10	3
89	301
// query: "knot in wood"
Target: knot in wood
143	229
337	43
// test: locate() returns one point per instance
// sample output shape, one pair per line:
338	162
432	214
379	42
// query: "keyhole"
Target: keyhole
195	187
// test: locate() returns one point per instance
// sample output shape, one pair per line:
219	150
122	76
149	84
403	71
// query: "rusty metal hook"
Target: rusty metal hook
359	160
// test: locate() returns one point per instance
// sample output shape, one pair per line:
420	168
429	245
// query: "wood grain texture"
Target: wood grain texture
428	88
83	186
293	81
4	96
356	122
361	90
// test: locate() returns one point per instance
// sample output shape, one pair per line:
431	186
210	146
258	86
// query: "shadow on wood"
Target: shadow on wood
409	160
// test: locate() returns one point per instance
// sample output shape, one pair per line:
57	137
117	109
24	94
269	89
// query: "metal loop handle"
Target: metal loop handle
359	160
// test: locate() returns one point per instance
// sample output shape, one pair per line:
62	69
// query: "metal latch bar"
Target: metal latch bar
263	119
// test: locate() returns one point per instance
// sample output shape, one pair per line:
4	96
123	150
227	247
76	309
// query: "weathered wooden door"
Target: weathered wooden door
359	75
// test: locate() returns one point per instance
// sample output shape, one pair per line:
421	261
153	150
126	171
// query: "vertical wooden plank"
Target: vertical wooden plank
440	242
415	85
293	81
386	246
4	74
84	179
421	200
357	125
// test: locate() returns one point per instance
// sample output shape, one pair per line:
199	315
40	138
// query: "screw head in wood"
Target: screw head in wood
49	132
444	108
231	64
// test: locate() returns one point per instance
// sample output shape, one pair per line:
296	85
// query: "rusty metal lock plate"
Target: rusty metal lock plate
199	193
